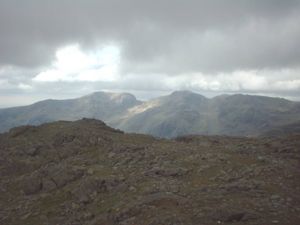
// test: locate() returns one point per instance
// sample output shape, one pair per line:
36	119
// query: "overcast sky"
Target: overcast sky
68	48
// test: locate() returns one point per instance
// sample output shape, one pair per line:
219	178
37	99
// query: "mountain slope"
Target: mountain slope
180	113
87	173
288	129
99	105
252	115
184	113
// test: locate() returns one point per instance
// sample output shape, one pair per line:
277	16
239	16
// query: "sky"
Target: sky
68	48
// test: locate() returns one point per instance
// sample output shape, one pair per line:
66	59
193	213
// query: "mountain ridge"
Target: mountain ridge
180	113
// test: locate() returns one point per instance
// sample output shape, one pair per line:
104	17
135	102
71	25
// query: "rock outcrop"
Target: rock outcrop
85	172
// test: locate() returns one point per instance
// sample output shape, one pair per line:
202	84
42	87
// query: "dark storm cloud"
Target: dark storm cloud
166	36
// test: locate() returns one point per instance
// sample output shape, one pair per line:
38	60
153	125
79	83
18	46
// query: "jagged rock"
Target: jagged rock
33	151
62	175
62	139
90	187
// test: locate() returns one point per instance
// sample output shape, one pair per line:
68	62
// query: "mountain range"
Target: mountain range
177	114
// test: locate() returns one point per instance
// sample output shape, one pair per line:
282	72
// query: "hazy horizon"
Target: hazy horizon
143	97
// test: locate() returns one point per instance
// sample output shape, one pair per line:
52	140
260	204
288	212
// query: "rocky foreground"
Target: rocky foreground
85	173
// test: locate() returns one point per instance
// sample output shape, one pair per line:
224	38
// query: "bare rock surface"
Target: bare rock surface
85	172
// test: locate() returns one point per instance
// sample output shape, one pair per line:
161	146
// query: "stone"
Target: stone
261	158
32	185
275	197
90	171
48	184
111	155
75	206
131	188
155	182
84	199
33	151
64	175
234	217
88	216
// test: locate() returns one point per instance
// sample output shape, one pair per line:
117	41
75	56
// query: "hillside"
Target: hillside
86	173
183	113
180	113
100	105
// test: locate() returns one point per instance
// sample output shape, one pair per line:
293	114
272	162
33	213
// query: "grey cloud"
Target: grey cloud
158	40
258	44
158	36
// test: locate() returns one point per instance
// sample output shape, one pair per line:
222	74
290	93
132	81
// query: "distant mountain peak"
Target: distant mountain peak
182	92
122	96
185	93
119	98
113	94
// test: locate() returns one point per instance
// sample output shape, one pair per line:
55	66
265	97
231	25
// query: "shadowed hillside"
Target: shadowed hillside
101	105
87	173
185	112
181	113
